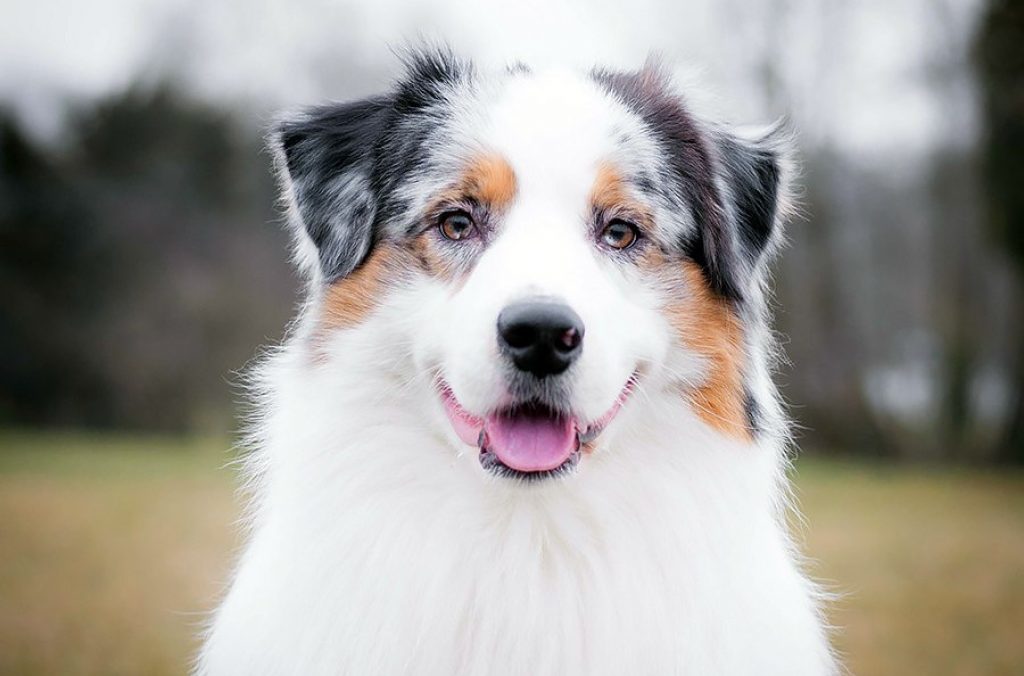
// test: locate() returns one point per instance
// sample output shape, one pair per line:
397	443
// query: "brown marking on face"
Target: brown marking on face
487	180
486	187
350	300
490	180
707	324
609	190
611	194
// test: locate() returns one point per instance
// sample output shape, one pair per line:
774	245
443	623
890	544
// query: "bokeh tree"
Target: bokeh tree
146	250
999	55
51	266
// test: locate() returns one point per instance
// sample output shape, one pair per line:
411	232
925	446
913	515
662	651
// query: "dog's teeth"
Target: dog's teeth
481	440
587	435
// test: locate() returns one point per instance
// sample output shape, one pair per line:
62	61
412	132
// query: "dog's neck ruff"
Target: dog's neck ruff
666	556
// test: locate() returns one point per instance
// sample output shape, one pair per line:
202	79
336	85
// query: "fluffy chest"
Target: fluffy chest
641	576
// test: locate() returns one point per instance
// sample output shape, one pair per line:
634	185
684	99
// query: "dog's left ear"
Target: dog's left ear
755	173
753	179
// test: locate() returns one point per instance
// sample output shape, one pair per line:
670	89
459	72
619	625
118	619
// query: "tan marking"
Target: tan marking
611	193
491	180
350	300
488	180
708	325
608	191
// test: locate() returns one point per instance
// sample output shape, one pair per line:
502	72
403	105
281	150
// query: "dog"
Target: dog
524	423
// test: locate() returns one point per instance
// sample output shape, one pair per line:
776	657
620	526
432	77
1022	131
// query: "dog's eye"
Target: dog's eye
456	225
619	234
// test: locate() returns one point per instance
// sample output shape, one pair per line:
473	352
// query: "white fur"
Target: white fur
380	546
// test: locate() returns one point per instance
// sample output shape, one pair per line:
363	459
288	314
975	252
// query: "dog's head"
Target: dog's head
554	241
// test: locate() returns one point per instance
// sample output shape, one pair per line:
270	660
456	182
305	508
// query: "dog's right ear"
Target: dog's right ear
325	158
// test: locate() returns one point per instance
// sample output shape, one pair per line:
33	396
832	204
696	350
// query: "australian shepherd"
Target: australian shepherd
525	422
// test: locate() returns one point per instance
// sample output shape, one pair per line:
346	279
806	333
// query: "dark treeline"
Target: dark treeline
999	54
142	264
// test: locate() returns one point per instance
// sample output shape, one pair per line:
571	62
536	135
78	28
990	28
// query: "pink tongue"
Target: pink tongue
531	442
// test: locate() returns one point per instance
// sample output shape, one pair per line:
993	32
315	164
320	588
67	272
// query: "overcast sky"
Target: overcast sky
866	76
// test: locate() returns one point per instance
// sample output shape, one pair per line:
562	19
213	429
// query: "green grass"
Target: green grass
112	548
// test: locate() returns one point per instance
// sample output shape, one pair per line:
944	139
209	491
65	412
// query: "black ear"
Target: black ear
754	191
733	187
341	164
327	160
751	189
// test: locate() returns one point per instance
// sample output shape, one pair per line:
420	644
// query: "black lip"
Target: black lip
490	462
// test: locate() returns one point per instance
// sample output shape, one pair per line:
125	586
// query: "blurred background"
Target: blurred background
143	264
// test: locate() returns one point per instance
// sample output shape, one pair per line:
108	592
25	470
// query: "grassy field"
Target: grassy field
111	549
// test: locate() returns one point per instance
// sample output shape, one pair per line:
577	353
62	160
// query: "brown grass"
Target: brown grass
930	565
111	549
106	567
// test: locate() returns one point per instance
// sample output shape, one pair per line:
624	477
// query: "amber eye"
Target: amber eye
456	225
619	234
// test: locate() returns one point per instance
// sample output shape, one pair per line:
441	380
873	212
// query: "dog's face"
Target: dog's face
555	241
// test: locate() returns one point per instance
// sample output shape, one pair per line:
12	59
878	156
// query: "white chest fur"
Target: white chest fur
377	550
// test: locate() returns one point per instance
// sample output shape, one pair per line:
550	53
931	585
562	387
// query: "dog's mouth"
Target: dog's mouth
528	440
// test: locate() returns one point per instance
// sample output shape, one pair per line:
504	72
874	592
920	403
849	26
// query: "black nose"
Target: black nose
542	337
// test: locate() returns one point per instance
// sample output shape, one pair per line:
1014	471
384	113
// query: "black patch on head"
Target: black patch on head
645	183
427	75
345	161
733	226
421	110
